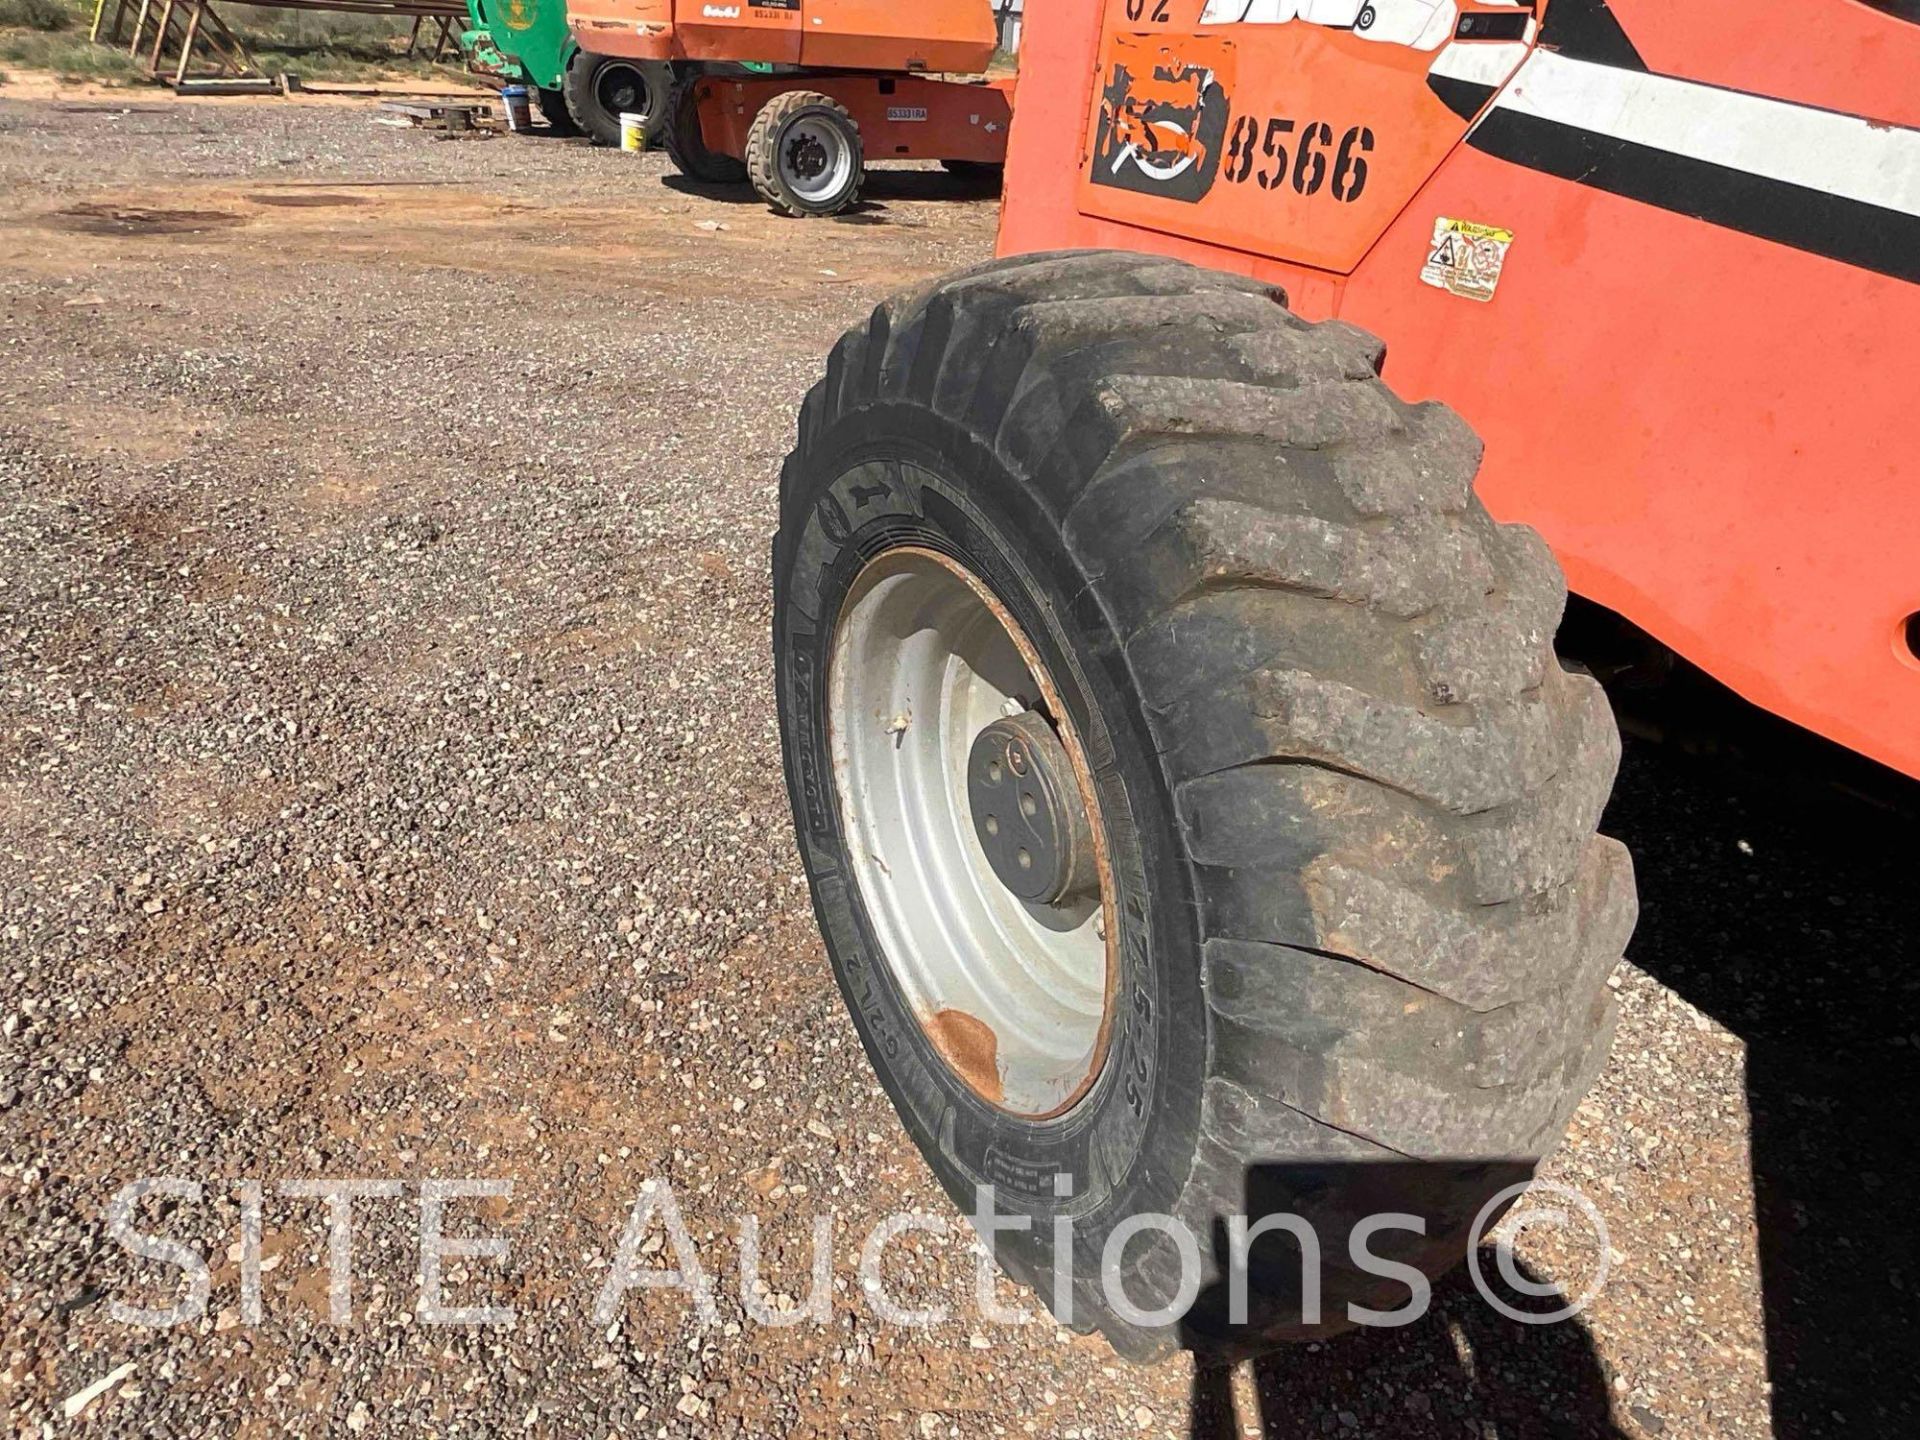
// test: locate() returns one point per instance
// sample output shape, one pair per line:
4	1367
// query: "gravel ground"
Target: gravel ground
389	788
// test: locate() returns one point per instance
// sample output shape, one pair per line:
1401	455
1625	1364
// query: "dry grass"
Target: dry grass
51	35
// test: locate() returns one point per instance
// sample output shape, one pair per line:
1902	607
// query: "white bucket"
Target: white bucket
633	132
517	103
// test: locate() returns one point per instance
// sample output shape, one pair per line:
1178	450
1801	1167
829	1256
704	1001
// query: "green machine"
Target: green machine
527	42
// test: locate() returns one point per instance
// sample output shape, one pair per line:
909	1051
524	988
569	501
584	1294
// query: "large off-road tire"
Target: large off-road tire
687	146
598	89
553	109
804	155
1360	921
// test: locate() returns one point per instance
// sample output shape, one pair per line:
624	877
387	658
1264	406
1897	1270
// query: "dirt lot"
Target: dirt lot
389	788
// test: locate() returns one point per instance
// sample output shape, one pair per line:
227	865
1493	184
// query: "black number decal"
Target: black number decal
1349	169
1138	8
1305	167
1272	146
1240	148
1310	165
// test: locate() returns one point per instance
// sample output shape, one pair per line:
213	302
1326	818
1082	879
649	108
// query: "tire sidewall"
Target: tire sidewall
1126	1147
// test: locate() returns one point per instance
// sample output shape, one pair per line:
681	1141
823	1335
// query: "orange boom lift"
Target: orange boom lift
850	82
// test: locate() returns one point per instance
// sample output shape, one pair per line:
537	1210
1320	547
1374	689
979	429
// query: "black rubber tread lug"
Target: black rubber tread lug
1141	488
1505	646
1212	638
1466	764
976	304
1480	960
1290	356
1278	818
1402	567
1429	467
1535	846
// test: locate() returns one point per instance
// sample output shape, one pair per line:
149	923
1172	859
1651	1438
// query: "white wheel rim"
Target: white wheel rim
814	159
1015	996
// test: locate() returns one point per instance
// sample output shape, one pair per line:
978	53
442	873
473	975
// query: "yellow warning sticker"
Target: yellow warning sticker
1465	259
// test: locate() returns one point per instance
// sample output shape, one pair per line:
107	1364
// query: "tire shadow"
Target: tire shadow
1464	1366
880	187
1462	1369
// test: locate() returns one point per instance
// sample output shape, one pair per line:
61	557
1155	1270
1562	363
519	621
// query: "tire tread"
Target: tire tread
1387	785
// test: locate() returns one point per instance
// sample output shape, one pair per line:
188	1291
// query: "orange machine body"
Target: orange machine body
929	36
901	117
1666	266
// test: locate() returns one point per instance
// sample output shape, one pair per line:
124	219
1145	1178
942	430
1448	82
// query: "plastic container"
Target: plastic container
633	131
519	108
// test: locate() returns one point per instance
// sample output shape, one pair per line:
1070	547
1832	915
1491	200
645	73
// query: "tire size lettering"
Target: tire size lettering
1279	152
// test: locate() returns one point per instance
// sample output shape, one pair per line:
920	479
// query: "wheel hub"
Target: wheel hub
1027	813
807	157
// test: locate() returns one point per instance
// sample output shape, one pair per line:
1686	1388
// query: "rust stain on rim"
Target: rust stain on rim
970	1048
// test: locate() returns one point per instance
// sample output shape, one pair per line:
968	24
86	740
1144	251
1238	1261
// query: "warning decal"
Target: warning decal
1465	259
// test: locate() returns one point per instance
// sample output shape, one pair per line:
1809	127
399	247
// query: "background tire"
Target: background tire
597	88
553	109
794	132
1349	792
685	144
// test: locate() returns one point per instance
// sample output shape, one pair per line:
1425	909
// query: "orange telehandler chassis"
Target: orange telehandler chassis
1664	265
887	70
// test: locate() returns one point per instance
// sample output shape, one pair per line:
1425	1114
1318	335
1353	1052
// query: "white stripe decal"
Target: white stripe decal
1842	155
1480	63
